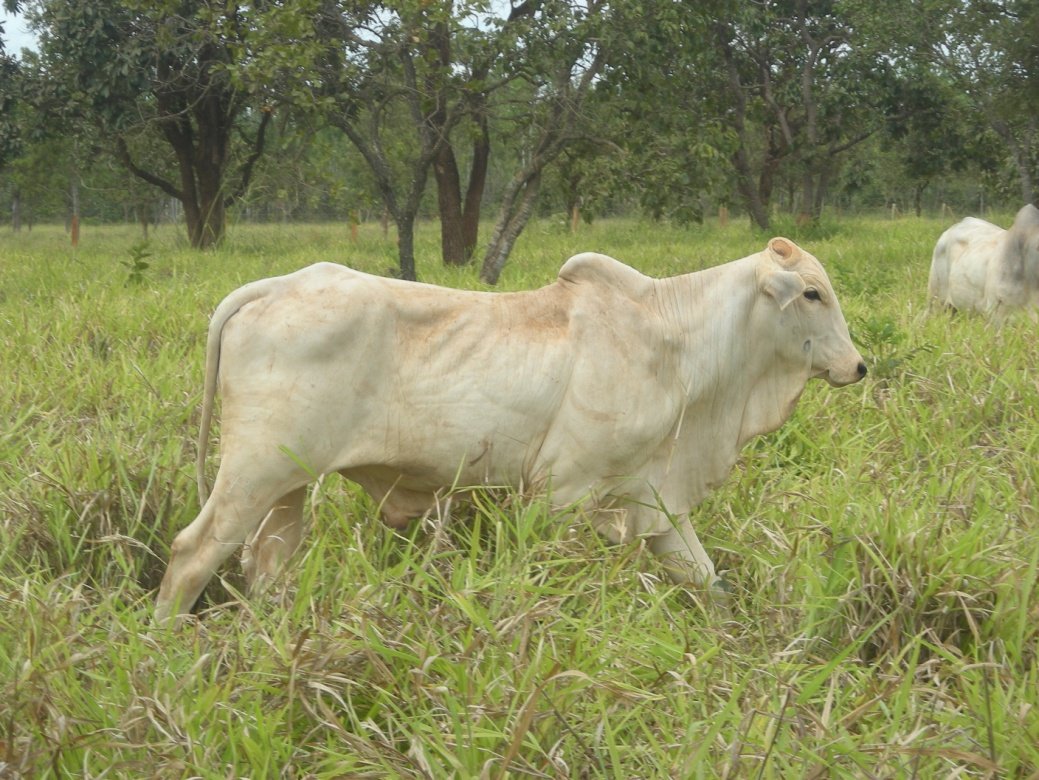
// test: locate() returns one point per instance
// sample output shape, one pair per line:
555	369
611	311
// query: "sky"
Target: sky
16	34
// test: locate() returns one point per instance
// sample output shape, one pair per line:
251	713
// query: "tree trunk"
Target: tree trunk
212	214
1020	157
815	183
406	246
449	202
474	192
201	191
767	177
806	214
748	188
16	210
74	221
460	222
757	210
1024	174
517	206
192	219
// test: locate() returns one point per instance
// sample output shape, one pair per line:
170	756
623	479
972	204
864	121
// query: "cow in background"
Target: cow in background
980	266
624	396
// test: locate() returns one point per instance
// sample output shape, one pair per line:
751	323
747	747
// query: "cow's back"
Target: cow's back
350	371
961	260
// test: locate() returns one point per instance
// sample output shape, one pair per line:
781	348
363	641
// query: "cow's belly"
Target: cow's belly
456	445
476	442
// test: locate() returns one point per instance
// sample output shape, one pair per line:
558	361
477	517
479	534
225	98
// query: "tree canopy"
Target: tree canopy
605	106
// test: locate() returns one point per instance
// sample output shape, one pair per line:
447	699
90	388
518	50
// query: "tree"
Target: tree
376	71
928	130
459	216
989	52
564	55
803	88
10	92
469	54
431	67
659	103
9	132
137	70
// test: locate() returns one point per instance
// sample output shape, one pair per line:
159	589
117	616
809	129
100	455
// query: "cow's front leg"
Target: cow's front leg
265	554
684	557
670	537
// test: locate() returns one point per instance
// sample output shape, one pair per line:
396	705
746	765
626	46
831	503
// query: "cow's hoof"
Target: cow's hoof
722	590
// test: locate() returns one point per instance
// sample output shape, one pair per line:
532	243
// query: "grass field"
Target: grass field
883	545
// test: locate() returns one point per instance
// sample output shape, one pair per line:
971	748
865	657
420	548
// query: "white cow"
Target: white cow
625	396
978	265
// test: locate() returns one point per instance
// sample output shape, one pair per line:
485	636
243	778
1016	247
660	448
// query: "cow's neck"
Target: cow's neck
729	367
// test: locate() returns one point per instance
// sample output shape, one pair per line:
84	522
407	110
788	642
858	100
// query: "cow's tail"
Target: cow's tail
224	312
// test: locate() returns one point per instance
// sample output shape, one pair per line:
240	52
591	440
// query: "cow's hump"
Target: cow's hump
603	271
1026	221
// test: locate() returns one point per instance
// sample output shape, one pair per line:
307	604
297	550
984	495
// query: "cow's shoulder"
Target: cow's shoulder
602	272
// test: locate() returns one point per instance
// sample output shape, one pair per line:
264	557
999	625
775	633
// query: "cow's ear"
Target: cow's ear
783	286
783	251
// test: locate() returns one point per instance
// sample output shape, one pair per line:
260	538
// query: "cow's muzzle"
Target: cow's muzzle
848	376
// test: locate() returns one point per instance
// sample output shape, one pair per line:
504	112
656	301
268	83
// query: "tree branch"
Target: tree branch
254	155
122	152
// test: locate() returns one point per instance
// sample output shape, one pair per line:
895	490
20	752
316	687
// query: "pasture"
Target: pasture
883	546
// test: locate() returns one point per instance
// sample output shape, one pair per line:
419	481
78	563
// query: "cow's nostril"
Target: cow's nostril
862	369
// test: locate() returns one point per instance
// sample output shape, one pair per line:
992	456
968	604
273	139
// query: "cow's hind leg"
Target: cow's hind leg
231	514
274	542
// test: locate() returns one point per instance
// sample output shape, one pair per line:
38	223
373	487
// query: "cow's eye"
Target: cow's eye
812	294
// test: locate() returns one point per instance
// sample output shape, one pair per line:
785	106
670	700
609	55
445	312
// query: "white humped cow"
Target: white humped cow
978	265
625	396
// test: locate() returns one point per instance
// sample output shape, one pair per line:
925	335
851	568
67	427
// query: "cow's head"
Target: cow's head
1019	264
811	328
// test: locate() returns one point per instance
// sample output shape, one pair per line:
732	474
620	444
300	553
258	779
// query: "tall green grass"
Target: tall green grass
883	545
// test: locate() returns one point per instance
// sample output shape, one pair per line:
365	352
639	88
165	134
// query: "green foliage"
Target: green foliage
866	104
149	85
10	88
882	545
137	264
886	344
